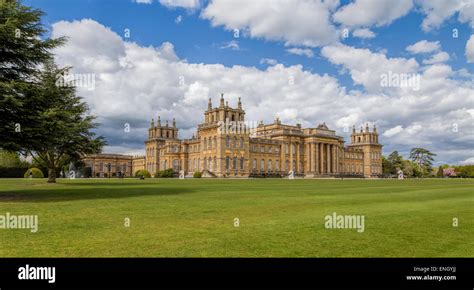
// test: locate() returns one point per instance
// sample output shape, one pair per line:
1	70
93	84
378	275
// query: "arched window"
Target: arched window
277	165
199	164
227	161
205	163
242	163
234	163
204	144
269	167
262	165
241	142
234	143
254	164
287	165
215	142
227	141
214	164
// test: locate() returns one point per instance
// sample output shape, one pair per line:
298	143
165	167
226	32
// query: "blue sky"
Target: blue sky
200	33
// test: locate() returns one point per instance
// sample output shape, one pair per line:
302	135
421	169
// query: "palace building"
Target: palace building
225	145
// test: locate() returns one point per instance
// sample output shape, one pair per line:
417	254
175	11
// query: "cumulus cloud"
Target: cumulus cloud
393	131
187	4
365	13
135	83
301	51
437	58
438	11
269	61
423	46
363	33
367	67
297	22
470	50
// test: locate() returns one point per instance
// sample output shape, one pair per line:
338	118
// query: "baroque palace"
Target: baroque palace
225	145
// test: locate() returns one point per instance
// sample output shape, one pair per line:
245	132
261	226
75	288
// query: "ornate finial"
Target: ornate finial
166	123
159	121
375	129
366	127
152	122
222	100
209	104
361	129
227	103
174	123
239	104
353	128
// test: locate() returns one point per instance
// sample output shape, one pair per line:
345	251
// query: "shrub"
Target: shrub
142	173
167	173
35	173
197	174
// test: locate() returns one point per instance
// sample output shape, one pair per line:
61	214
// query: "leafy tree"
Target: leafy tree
387	167
11	159
23	49
423	158
66	128
408	168
396	160
440	171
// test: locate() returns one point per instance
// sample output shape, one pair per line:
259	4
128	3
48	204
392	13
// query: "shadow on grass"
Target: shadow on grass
89	191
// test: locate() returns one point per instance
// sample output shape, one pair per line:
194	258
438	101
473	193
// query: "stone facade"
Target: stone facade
225	145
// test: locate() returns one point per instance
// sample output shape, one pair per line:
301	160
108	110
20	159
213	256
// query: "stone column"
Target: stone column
321	158
311	158
316	159
297	148
328	161
290	148
334	162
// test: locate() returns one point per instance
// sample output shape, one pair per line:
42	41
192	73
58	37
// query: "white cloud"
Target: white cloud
187	4
470	49
438	11
363	33
143	1
269	61
135	83
366	67
365	13
393	131
178	19
233	44
437	58
468	161
423	46
301	51
298	22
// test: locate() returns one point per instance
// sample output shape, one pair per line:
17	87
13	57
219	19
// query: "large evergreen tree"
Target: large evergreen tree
423	158
67	129
22	52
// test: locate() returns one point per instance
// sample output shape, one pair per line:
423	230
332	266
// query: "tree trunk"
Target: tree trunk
51	175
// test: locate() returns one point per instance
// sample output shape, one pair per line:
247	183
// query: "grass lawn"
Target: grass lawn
278	218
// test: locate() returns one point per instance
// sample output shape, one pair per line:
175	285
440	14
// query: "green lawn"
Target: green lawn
278	218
